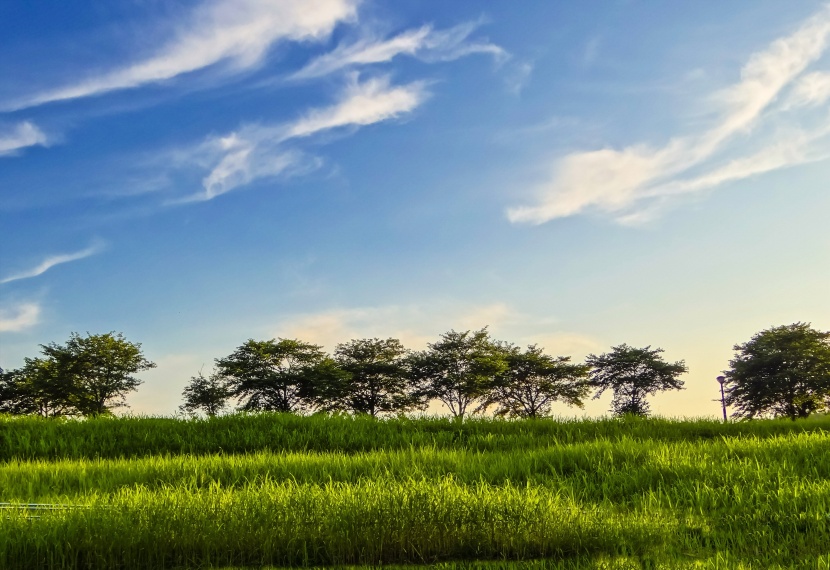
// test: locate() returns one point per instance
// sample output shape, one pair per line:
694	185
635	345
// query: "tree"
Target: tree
781	371
209	395
373	378
459	370
632	374
533	381
99	367
38	388
272	375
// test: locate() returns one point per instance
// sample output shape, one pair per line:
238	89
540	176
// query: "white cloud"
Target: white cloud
417	325
258	151
811	90
634	183
424	43
413	325
372	101
19	318
22	135
52	261
238	33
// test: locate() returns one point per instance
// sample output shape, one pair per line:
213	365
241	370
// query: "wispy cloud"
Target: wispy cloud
415	325
22	135
19	318
425	43
811	90
258	151
635	183
518	77
238	33
52	261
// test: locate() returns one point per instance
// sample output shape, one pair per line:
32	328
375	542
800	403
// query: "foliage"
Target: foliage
532	381
38	388
209	395
86	376
459	370
632	374
782	371
373	379
272	375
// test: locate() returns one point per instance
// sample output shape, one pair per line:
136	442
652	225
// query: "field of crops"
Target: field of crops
252	491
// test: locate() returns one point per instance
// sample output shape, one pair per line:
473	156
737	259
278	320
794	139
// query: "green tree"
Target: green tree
373	378
633	374
272	375
209	395
781	371
532	381
38	388
99	367
13	399
459	370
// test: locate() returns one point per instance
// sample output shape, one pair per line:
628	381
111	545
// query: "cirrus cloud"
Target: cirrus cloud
258	151
22	135
635	183
238	33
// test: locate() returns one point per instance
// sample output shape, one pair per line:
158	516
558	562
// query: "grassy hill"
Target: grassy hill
295	491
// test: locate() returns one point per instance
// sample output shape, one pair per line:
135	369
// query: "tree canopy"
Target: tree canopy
87	376
271	375
373	379
633	374
206	394
781	371
459	370
532	381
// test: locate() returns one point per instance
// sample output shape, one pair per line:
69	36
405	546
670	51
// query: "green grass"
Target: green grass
290	491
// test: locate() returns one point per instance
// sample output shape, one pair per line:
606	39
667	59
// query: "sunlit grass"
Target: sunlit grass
542	494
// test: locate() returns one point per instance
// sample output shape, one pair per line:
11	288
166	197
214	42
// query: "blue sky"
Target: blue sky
572	174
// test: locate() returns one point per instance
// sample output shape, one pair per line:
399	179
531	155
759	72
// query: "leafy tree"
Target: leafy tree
11	398
459	370
209	395
782	371
99	367
373	378
632	374
533	381
272	375
39	388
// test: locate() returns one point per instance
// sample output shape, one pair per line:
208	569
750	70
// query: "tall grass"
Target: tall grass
341	490
368	522
32	438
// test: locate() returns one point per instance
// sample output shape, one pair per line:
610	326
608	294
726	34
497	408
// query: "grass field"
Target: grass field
249	491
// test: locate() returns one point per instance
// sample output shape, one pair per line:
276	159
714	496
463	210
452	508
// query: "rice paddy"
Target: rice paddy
278	490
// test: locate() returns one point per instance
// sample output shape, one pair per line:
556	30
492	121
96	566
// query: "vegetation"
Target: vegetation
87	376
782	371
272	375
288	490
460	370
374	379
632	374
532	381
341	477
209	395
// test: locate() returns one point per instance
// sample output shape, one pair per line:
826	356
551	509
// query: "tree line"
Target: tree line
782	371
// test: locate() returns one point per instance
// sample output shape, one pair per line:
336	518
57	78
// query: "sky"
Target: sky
574	174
